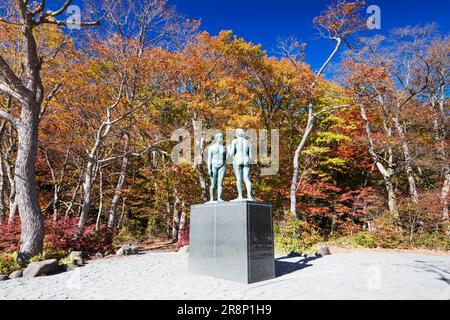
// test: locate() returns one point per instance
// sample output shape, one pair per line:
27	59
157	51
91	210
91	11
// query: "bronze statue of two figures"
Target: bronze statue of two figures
241	151
232	240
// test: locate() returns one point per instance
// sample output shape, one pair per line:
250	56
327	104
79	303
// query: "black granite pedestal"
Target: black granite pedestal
232	241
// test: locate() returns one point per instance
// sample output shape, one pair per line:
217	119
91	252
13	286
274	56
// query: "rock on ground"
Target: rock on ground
127	250
16	274
323	251
36	269
356	275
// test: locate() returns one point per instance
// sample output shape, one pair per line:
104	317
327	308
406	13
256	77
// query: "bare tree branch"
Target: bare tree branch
9	117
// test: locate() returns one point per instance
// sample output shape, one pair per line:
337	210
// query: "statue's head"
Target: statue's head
219	138
240	133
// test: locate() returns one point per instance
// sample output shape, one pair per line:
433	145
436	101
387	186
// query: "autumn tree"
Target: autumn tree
27	87
438	64
337	23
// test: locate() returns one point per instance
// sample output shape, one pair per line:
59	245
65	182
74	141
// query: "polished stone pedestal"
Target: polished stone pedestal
232	241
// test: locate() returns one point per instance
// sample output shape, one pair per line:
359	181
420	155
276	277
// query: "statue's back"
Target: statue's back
242	152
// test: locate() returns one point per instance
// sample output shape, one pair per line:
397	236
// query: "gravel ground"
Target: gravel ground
356	275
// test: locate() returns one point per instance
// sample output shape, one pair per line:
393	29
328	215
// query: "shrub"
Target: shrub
433	241
364	239
296	235
125	235
59	235
8	263
50	253
9	237
183	237
387	234
58	240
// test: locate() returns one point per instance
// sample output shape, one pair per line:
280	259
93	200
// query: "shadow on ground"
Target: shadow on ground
283	267
443	274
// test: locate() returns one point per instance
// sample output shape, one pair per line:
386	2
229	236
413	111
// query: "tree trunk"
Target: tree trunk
112	212
100	207
408	160
122	215
2	176
10	174
182	225
296	164
444	196
202	180
198	157
386	173
176	217
309	127
32	221
2	189
440	134
392	199
74	195
88	184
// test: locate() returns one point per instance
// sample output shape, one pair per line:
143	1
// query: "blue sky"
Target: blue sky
264	21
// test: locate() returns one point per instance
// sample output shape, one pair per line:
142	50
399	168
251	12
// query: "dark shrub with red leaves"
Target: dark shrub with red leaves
183	237
9	237
59	235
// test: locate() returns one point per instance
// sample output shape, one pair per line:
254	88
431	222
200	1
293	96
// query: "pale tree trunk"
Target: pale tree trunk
2	189
88	181
88	184
386	173
296	164
176	217
122	214
2	175
202	179
308	130
12	195
74	196
445	195
408	160
440	137
112	212
10	175
32	221
198	160
182	225
100	207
